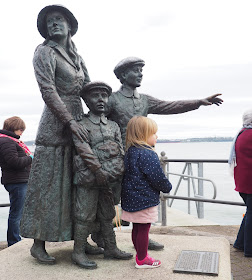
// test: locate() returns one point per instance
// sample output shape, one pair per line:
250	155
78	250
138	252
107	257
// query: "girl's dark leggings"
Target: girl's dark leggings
140	239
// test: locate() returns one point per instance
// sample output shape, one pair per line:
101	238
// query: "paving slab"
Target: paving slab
18	264
177	217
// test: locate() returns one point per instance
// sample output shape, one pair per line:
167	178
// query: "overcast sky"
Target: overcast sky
192	49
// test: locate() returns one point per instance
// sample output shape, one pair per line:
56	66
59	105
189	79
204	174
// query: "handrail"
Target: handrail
196	160
164	196
199	178
5	205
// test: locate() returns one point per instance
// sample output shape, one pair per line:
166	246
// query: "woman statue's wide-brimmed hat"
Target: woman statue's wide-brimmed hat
41	24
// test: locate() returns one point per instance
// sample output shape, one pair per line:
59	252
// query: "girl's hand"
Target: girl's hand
79	130
213	99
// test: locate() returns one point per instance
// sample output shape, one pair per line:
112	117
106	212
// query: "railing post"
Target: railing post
163	201
200	191
164	210
188	188
162	159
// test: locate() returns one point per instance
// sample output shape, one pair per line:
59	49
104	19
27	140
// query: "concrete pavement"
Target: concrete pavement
180	227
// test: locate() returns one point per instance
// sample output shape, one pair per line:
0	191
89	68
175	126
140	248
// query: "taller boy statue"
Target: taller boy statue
127	102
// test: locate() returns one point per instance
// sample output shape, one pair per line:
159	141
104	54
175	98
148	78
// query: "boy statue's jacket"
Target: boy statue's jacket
106	152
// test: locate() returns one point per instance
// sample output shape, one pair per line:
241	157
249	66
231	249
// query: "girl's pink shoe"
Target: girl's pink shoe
147	262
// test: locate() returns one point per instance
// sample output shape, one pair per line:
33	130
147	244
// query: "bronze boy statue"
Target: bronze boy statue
127	102
95	199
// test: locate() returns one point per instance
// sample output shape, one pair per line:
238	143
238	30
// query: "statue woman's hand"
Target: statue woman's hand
101	177
79	130
213	99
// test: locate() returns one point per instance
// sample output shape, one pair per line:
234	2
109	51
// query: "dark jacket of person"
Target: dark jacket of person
143	180
14	162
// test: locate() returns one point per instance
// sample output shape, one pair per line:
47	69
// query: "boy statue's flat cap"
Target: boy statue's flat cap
127	62
96	85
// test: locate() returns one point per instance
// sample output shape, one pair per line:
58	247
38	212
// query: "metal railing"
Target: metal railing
198	194
5	205
164	197
199	206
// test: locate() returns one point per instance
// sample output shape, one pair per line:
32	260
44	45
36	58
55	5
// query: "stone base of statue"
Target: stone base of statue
17	263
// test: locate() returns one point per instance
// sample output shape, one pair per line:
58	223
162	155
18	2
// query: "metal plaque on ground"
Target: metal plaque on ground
199	262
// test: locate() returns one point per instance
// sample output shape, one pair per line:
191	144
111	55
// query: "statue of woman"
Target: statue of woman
61	74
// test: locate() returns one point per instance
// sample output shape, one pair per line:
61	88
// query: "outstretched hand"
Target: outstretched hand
79	130
213	99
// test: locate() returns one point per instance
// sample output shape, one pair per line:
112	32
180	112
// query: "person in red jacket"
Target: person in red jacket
15	162
241	161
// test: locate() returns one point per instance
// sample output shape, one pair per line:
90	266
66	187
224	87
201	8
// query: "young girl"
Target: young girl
143	180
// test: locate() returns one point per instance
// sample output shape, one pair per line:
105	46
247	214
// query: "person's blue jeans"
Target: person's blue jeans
244	237
17	194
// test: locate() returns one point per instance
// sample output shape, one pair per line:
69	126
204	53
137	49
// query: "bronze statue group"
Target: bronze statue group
79	166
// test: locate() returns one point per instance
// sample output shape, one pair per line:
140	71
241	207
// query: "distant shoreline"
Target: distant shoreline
187	140
204	139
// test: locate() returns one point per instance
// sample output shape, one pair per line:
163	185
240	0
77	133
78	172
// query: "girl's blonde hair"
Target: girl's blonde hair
139	129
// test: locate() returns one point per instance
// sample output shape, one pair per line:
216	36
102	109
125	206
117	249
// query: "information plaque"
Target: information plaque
199	262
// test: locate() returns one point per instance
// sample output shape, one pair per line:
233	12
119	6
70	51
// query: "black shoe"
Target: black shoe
117	254
83	261
124	223
41	255
153	245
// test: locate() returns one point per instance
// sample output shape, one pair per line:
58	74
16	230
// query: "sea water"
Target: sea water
218	172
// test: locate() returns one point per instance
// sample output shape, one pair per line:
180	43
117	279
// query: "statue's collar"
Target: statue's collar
97	119
52	44
129	92
61	50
